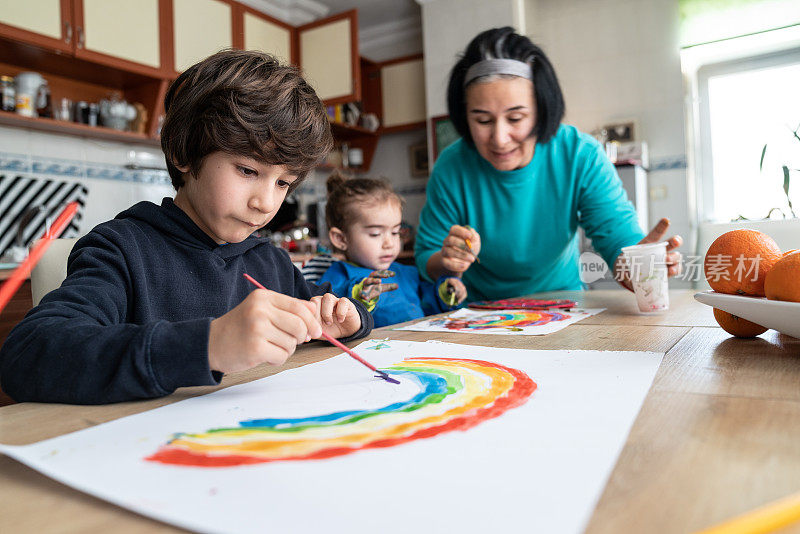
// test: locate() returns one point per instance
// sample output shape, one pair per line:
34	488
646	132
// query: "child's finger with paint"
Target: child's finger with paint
372	286
458	289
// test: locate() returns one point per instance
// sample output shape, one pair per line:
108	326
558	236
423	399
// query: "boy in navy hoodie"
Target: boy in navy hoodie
155	299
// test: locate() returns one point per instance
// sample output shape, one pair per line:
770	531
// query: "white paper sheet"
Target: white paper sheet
503	322
538	464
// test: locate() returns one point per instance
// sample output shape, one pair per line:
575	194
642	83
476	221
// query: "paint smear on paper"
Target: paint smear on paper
455	394
514	321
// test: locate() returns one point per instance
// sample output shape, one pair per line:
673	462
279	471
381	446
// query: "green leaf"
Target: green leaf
761	163
786	179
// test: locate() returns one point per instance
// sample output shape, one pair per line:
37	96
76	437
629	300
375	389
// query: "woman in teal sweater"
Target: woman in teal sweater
516	186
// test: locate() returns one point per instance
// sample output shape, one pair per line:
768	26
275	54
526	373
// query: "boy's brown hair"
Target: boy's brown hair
344	192
245	103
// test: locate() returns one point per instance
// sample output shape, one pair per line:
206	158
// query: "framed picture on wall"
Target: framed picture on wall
443	133
419	159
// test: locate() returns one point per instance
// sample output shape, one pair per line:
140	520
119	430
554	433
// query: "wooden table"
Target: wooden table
718	434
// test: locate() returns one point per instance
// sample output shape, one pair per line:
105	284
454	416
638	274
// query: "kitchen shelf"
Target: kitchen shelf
344	132
8	118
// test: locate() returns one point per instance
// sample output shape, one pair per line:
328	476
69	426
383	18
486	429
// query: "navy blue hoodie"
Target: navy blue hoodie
132	318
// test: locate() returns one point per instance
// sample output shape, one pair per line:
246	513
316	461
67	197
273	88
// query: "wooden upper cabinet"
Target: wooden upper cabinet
111	30
266	34
201	28
117	33
328	56
45	23
403	93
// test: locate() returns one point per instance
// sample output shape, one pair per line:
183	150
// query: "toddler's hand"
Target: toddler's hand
456	288
266	327
457	255
338	316
371	286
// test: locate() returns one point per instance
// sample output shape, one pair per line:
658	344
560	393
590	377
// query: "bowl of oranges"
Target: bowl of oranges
755	285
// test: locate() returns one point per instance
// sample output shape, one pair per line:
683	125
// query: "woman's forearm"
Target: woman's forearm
435	266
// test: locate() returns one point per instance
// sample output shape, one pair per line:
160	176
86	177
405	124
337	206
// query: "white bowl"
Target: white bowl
776	314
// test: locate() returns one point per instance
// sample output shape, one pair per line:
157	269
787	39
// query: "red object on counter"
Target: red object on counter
24	269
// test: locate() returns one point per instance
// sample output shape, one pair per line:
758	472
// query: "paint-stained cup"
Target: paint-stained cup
647	267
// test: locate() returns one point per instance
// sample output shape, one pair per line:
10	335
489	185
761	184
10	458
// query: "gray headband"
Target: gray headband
487	67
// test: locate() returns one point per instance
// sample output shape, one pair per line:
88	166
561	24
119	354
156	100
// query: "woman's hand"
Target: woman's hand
673	259
460	248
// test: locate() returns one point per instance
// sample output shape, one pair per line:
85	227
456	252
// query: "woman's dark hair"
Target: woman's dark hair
344	192
244	103
505	43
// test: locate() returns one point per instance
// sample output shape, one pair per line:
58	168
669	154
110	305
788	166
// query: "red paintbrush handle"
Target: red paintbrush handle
24	269
330	339
348	351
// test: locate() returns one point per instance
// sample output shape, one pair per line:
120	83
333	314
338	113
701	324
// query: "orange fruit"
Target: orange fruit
738	261
783	280
736	326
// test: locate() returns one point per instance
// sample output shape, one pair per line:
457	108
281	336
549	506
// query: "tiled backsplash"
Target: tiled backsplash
100	166
26	163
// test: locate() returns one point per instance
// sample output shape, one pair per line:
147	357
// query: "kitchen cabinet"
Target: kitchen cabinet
328	55
261	32
116	33
402	86
200	28
394	91
119	30
89	49
45	23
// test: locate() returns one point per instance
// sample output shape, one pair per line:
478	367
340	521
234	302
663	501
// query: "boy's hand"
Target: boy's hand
266	327
456	288
457	255
371	286
338	316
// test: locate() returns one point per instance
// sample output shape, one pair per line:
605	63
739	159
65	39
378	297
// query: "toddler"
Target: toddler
364	216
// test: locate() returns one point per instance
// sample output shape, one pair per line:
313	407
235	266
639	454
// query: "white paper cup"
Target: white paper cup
647	267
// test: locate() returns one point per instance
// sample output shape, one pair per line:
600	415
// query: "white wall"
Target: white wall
619	60
90	157
447	28
393	162
615	59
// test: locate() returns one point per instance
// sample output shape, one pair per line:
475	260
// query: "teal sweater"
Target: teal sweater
528	218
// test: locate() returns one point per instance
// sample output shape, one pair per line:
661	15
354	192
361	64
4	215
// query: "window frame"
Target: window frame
704	159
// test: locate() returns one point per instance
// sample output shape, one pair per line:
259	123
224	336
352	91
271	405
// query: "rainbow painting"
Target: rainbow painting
513	320
454	394
503	322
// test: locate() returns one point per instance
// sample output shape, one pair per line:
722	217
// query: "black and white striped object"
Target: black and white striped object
18	194
315	267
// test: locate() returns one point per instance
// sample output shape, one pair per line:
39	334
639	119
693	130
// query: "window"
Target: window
743	105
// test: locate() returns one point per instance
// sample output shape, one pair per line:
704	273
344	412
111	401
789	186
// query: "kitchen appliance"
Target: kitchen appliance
116	113
32	93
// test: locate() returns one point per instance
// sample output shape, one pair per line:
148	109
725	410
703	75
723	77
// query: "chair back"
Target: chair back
51	270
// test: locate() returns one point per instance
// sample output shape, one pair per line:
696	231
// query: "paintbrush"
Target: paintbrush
337	343
469	244
772	516
24	269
